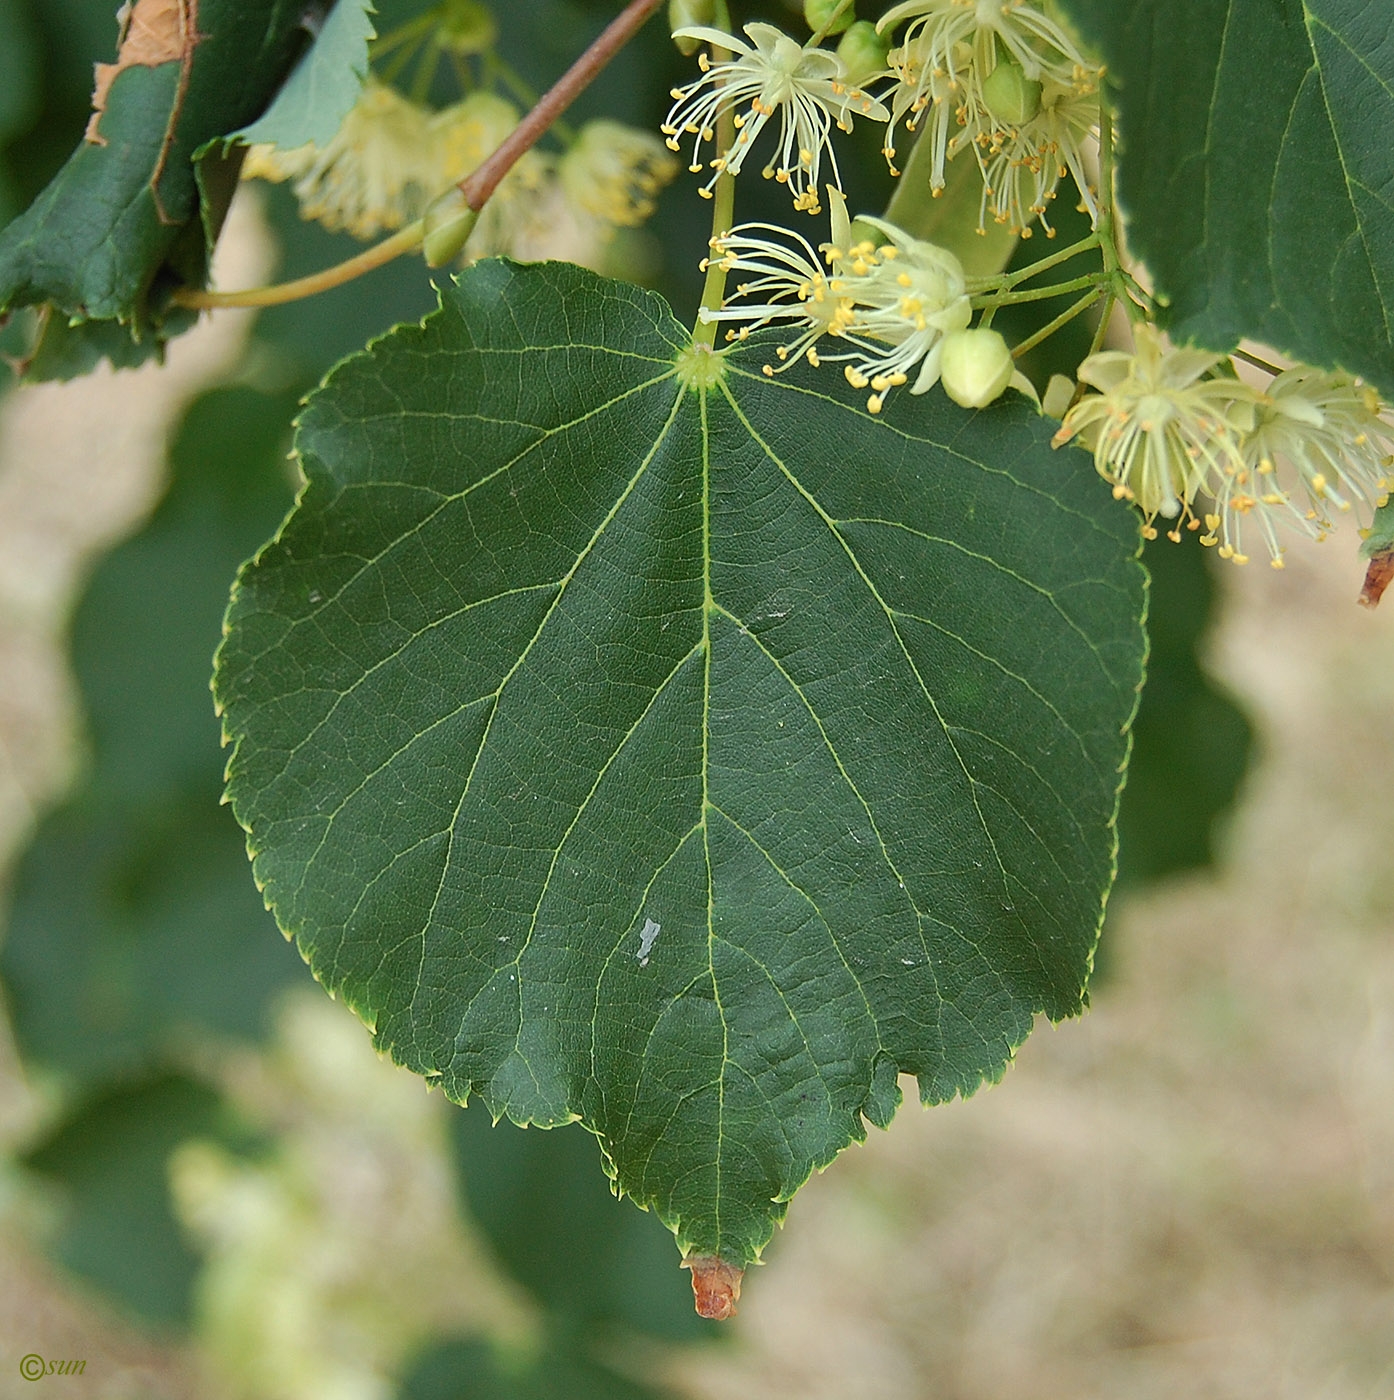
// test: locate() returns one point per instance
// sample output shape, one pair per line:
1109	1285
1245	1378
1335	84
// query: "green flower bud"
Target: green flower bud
976	367
467	27
1010	95
863	52
449	223
819	12
683	14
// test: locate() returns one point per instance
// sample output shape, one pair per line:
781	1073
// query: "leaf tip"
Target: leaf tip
716	1285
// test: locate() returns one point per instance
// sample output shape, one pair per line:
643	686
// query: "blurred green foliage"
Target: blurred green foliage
537	1195
107	1166
133	927
557	1370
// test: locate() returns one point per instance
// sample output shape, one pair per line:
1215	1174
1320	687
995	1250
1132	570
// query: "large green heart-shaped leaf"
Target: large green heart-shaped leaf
684	759
1258	168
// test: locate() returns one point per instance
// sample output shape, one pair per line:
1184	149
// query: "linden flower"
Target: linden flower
516	216
910	296
552	227
773	73
1004	78
891	305
526	212
950	35
376	173
956	112
461	137
1326	427
1161	431
789	284
615	172
467	133
1246	500
1022	165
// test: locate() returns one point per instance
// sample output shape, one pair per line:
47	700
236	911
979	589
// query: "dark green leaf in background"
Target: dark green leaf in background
684	762
560	1369
132	929
1257	168
542	1203
313	335
19	70
1191	741
108	1164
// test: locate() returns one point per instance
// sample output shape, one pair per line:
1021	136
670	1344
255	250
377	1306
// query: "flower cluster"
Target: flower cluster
891	304
998	77
808	88
1171	424
392	156
1004	80
373	175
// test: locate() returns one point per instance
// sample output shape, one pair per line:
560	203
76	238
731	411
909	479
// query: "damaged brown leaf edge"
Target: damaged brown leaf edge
154	32
716	1285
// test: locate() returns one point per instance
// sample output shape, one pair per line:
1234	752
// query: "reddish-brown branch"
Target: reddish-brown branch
481	183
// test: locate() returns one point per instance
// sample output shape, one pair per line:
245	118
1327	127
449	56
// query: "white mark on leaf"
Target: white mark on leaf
648	936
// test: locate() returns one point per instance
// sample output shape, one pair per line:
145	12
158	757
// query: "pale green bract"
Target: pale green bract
627	736
326	82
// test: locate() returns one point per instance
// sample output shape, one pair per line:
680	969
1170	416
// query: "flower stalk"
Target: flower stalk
1077	308
723	209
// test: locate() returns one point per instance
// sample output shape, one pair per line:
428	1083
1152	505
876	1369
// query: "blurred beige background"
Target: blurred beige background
1189	1193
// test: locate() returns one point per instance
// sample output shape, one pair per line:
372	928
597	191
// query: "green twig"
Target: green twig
1101	330
1025	274
478	186
403	241
992	300
1063	319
